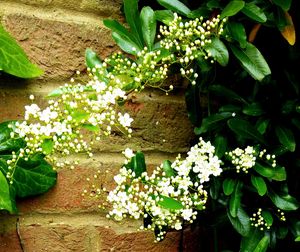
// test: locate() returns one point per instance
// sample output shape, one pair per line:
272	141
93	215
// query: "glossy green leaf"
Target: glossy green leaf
286	137
262	125
232	8
218	51
212	121
126	44
297	239
227	93
244	129
8	144
47	146
277	173
133	19
13	59
148	22
92	59
254	12
169	203
164	16
263	245
241	222
259	184
220	144
230	108
235	199
284	202
237	32
33	177
137	164
229	185
167	168
250	242
200	12
5	201
175	5
57	92
252	61
267	217
253	109
284	4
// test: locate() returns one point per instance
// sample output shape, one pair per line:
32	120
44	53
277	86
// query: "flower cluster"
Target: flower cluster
243	159
72	110
169	196
190	40
259	221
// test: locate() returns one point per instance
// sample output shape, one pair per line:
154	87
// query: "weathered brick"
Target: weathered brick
58	47
100	7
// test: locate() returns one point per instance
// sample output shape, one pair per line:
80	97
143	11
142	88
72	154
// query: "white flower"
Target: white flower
178	226
187	214
125	120
128	153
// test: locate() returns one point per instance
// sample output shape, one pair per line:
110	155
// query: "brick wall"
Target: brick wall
55	34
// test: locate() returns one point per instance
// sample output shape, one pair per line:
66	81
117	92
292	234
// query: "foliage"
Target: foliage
31	176
252	104
13	59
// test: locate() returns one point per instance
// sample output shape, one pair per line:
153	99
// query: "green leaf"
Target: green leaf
90	127
253	109
47	146
79	115
214	189
116	27
252	61
57	92
254	12
148	22
5	201
284	202
232	8
244	129
137	164
229	185
13	59
169	203
284	4
200	12
297	239
262	125
164	16
237	32
212	121
92	59
192	98
235	199
218	51
133	19
282	232
175	5
250	242
127	45
262	246
227	93
241	222
286	137
259	184
267	217
277	173
220	144
8	144
167	168
33	177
